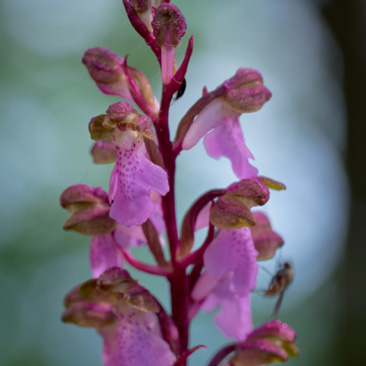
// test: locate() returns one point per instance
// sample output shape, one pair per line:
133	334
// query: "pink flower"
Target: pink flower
134	177
245	93
231	272
125	315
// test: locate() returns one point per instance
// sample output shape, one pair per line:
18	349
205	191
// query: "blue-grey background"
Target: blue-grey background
299	137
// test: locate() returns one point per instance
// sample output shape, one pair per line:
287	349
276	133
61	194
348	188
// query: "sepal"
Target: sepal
98	130
266	241
232	210
88	314
115	286
89	209
104	152
272	184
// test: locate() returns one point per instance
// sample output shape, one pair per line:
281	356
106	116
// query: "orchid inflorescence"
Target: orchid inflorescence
139	209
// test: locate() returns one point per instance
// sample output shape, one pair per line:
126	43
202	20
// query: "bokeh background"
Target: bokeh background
310	136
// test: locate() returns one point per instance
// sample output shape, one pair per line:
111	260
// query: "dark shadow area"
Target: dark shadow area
347	20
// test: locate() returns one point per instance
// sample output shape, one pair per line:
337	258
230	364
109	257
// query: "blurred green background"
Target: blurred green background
300	138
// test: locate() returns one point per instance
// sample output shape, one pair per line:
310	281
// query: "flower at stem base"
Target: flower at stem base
124	313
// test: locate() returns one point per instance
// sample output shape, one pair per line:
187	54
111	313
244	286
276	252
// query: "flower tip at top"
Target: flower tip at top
169	25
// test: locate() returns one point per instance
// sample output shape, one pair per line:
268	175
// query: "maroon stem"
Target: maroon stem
179	283
221	354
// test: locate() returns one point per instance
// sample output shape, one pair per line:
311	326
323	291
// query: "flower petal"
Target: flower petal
140	342
104	255
227	140
133	179
233	250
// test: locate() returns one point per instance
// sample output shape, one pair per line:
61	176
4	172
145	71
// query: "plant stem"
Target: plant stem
179	283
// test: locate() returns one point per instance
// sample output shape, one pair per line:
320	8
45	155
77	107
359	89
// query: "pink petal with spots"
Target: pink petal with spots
233	250
227	140
104	255
110	353
140	342
133	179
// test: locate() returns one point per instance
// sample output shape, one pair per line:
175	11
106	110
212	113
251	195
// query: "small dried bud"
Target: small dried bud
169	25
104	152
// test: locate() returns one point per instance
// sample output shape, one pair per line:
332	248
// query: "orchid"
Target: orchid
245	93
139	209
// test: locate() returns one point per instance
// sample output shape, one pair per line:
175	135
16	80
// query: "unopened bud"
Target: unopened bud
274	328
251	192
104	66
271	342
246	91
169	25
